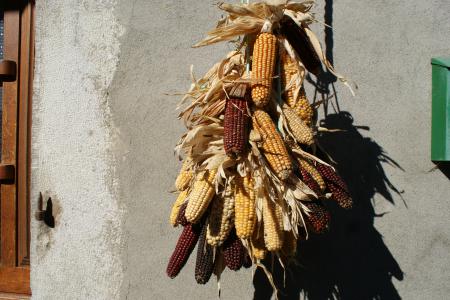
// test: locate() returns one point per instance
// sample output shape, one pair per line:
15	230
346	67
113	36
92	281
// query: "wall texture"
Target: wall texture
104	129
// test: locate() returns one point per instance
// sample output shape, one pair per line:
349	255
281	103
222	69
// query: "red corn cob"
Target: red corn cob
330	175
181	218
204	264
336	185
186	243
309	181
233	252
235	122
318	218
340	195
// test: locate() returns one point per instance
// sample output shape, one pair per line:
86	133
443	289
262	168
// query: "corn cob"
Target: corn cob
303	109
259	250
336	185
235	127
181	218
309	167
289	244
185	176
340	196
201	195
176	207
244	207
301	43
302	133
330	175
221	218
318	218
272	145
204	264
309	181
186	243
233	252
273	234
263	65
288	70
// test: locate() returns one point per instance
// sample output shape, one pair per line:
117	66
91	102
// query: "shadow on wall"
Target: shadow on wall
350	261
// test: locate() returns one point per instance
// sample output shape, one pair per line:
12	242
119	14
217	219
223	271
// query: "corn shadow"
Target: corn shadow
350	261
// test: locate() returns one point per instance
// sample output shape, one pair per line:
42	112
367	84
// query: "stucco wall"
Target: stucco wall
104	130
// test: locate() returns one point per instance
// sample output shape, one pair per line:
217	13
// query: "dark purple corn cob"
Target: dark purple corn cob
186	243
299	40
233	252
181	218
319	217
236	122
309	181
336	185
204	264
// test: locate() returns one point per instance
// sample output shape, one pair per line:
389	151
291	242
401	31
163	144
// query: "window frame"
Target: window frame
15	149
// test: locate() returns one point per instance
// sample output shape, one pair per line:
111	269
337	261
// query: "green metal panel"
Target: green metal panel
440	125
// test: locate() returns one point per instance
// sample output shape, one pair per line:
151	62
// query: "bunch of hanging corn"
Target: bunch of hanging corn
250	185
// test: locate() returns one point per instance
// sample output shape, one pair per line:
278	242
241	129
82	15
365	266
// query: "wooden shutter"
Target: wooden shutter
15	146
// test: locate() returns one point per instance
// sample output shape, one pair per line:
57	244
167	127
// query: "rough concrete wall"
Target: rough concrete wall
385	46
76	56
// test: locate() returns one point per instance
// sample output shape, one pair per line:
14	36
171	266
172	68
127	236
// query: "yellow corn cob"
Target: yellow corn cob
302	133
289	244
273	234
272	145
202	193
288	70
185	176
176	206
263	65
258	248
309	167
244	207
220	221
303	109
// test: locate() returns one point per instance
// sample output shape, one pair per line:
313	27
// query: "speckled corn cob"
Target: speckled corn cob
263	65
310	182
235	136
176	207
233	252
186	243
185	176
204	264
289	244
244	207
272	145
318	218
181	218
301	132
303	109
221	218
340	195
288	70
301	43
273	234
336	185
201	195
311	169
